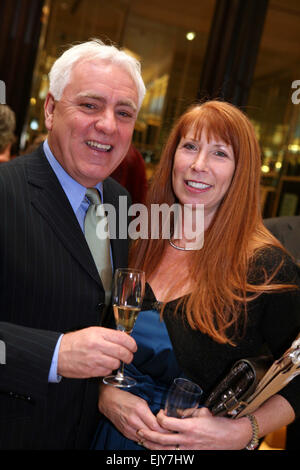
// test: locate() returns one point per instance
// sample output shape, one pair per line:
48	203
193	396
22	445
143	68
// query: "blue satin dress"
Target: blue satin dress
154	367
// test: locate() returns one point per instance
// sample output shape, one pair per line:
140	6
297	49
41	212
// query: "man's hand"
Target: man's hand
94	352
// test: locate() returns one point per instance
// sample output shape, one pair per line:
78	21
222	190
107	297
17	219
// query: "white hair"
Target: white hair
60	73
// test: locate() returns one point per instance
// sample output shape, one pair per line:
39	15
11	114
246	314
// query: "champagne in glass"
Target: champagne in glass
128	293
125	317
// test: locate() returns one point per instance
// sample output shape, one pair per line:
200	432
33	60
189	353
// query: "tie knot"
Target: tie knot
93	196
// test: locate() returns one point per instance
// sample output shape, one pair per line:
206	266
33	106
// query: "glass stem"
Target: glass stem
120	373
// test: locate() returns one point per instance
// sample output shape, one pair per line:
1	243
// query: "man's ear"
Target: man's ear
49	111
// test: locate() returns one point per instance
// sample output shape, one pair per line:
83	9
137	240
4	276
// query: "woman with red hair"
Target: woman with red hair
231	299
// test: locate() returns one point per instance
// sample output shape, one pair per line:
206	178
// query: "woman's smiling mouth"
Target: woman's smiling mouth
197	185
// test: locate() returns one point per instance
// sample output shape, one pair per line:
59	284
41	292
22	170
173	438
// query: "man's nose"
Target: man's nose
106	122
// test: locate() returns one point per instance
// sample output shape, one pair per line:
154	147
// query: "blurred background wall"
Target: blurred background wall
244	51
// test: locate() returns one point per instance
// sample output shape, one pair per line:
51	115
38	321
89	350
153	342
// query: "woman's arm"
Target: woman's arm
207	432
127	412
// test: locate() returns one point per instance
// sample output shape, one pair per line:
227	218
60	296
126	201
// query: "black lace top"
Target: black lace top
273	323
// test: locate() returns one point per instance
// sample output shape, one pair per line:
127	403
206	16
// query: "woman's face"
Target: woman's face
202	172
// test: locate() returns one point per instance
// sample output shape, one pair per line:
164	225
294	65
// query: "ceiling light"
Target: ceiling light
265	169
34	125
190	35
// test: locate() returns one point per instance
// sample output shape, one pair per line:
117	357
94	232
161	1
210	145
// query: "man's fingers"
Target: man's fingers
93	352
114	351
119	337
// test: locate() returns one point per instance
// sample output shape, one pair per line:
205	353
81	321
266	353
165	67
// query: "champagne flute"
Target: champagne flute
183	398
127	299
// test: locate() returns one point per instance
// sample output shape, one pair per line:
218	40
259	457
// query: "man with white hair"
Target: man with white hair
52	295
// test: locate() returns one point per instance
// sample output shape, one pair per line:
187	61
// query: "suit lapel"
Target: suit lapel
50	200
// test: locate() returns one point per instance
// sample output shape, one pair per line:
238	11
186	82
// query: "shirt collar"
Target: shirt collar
75	192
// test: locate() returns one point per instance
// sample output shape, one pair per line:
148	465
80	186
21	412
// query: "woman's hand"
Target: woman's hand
203	431
127	412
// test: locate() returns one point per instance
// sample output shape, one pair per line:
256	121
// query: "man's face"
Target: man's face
90	128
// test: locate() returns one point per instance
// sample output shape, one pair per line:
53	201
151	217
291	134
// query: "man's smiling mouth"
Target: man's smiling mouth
97	146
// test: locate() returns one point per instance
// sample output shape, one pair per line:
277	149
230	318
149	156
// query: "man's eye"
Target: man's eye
87	105
125	114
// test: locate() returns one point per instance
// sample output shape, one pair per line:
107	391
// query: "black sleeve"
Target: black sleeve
28	356
280	320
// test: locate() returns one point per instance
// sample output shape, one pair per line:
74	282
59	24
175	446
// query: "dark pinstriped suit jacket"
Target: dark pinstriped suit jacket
48	284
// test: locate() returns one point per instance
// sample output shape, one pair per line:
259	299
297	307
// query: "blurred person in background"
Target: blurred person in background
131	173
7	132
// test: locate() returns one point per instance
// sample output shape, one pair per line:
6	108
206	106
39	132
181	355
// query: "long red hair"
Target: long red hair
219	270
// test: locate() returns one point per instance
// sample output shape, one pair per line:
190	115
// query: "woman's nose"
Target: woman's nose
200	162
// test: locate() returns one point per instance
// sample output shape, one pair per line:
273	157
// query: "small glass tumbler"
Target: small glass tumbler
183	398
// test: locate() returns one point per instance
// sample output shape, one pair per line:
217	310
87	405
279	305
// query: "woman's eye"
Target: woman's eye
190	146
219	153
